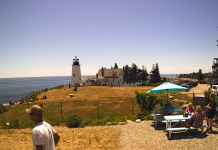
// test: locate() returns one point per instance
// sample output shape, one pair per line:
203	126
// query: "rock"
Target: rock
138	120
184	106
122	123
181	102
176	100
108	123
170	97
129	121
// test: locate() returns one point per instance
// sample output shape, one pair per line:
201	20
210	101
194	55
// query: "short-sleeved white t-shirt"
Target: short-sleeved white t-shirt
43	134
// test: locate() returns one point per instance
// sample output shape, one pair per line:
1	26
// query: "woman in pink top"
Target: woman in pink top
190	108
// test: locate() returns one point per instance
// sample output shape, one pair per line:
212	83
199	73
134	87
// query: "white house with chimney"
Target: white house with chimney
113	77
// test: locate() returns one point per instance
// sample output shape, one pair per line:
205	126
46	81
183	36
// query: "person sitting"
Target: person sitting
170	106
75	89
190	108
197	118
164	111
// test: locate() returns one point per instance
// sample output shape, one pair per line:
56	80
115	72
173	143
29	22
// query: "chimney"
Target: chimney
102	71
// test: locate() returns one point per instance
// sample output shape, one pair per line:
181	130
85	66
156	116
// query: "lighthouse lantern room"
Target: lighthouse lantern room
76	73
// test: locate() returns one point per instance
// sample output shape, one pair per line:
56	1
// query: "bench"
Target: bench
184	128
164	121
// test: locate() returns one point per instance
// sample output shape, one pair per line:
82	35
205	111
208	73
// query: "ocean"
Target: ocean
16	88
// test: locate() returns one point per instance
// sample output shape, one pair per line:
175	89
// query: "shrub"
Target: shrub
98	122
147	101
148	117
14	123
53	121
59	87
3	109
73	121
132	117
121	119
27	123
45	90
86	122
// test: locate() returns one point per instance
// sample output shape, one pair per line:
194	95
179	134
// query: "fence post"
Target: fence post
61	112
185	96
98	109
28	108
3	120
132	106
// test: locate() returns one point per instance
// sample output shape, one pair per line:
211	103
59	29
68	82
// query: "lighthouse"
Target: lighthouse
76	73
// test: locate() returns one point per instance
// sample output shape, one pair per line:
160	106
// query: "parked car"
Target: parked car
187	86
214	89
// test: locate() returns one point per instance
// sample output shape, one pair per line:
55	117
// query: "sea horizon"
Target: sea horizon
162	75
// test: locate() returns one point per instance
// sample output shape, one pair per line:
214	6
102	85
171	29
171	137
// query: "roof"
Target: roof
109	72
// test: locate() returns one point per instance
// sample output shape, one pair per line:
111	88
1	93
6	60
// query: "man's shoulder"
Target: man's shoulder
41	125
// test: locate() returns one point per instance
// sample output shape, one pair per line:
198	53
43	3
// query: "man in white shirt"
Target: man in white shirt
44	137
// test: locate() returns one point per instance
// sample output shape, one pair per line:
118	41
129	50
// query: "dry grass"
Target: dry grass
86	109
103	138
70	139
92	93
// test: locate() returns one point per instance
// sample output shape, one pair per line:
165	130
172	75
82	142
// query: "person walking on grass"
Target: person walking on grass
211	112
44	137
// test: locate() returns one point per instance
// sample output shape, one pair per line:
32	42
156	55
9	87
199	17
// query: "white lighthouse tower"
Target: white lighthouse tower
76	73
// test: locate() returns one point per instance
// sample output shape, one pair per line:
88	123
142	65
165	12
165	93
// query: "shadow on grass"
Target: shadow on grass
186	135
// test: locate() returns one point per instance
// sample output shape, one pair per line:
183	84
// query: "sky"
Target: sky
41	38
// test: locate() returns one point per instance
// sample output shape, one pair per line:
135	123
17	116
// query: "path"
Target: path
199	89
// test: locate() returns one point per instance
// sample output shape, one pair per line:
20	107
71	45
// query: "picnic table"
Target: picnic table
178	119
156	113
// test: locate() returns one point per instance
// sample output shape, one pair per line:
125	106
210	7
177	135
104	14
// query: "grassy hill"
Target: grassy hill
85	102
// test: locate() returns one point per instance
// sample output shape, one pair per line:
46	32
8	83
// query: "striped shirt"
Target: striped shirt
43	134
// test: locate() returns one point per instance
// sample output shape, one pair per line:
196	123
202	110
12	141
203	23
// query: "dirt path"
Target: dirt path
199	89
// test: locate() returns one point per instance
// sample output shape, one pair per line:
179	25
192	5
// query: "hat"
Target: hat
35	109
168	101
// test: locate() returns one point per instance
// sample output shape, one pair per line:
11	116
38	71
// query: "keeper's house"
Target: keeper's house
113	76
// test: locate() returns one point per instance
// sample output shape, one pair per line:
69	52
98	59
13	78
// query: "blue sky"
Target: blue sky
41	38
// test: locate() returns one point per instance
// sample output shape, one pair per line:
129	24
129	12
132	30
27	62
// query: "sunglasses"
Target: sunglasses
31	113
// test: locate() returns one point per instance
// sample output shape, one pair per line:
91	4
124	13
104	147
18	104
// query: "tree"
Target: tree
115	66
215	69
200	75
126	72
133	73
164	79
144	75
155	74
